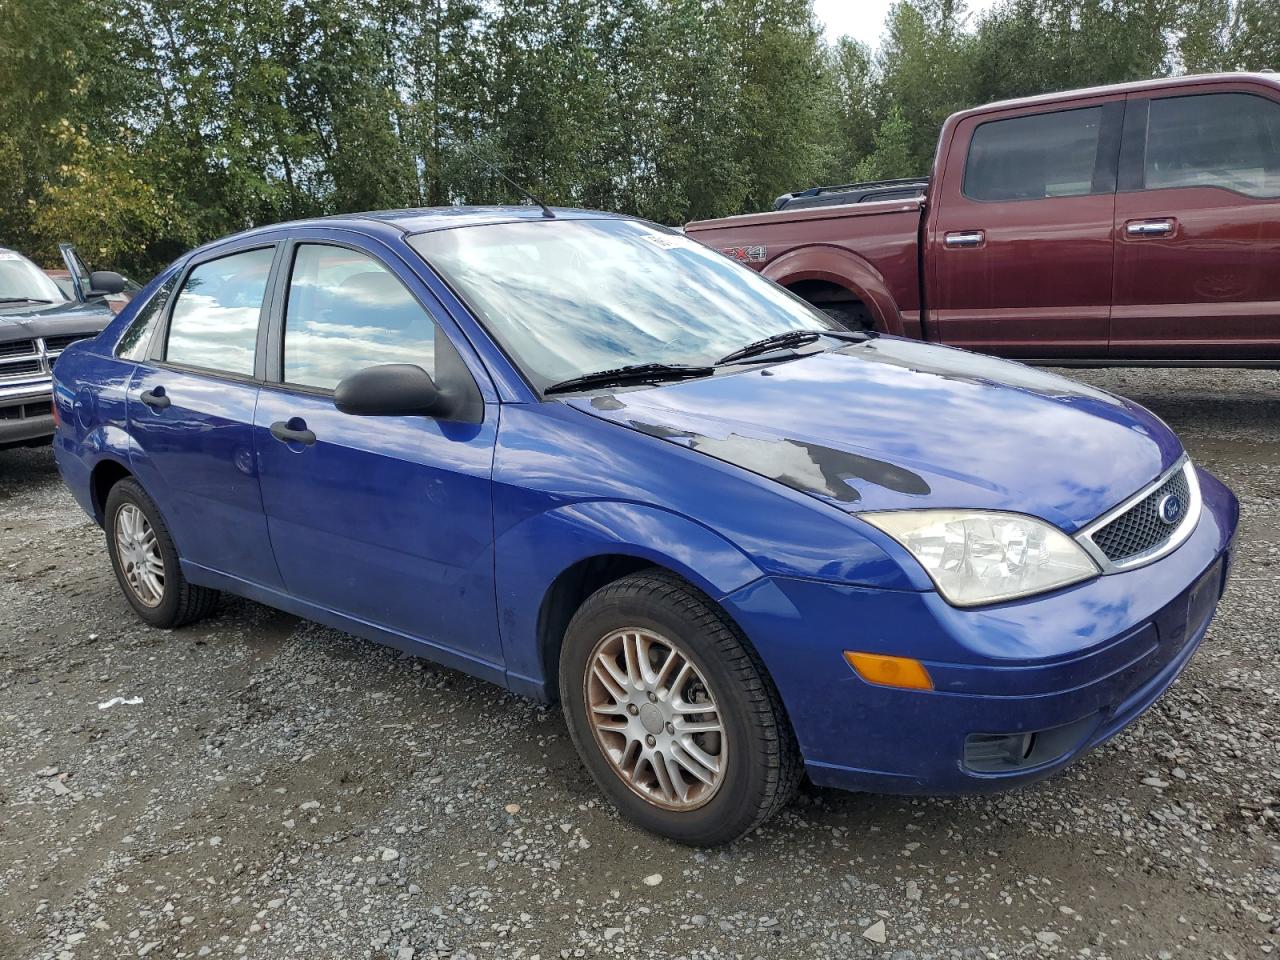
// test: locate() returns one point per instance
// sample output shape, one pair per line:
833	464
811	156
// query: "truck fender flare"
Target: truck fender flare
848	270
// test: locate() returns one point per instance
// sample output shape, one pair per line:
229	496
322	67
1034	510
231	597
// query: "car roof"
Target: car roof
415	220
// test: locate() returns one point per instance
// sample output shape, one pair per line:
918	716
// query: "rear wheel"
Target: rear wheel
852	315
673	713
146	562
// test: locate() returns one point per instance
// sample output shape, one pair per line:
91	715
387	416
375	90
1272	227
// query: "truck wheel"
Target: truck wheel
851	316
146	562
673	714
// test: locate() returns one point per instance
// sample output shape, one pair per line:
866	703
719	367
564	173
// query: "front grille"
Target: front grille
17	348
60	343
1140	528
20	368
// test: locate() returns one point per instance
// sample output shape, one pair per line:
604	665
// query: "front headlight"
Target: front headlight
977	556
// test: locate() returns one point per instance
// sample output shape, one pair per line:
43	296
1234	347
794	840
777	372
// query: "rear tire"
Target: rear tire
700	777
146	561
852	315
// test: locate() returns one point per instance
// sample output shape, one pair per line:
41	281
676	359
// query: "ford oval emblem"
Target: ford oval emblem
1170	508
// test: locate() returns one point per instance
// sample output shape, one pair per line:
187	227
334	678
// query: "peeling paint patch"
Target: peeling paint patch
607	402
808	467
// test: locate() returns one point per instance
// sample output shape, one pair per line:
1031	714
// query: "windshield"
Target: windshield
21	281
570	297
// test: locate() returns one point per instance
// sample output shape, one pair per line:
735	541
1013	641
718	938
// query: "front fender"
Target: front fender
533	553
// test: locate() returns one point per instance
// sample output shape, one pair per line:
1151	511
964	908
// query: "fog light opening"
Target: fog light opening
1009	752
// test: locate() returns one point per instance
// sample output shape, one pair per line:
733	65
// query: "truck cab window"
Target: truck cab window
1034	157
1228	140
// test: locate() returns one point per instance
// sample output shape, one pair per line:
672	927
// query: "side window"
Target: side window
214	324
1229	140
347	312
135	340
1034	157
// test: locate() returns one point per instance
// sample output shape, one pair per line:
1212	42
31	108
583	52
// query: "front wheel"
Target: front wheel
672	712
146	561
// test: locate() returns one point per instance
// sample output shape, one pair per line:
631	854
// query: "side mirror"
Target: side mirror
392	390
104	282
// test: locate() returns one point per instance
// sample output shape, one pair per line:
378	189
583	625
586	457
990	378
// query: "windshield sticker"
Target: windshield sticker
755	253
666	241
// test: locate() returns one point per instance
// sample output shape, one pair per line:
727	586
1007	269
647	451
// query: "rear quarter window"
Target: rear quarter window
136	339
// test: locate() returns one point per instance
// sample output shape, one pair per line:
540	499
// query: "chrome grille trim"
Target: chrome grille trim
32	358
1176	537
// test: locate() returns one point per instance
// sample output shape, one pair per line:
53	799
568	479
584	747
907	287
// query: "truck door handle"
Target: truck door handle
1149	228
155	399
293	431
964	238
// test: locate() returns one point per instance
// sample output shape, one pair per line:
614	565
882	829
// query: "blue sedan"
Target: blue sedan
592	461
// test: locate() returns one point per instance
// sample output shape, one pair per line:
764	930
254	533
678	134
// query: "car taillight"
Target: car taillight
57	420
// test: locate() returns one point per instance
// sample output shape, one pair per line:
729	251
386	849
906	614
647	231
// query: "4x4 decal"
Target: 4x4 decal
754	253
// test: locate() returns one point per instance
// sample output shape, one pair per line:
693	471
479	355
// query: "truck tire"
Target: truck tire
852	315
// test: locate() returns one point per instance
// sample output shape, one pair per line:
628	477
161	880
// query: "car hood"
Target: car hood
46	320
893	424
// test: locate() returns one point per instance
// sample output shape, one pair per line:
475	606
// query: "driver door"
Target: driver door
384	520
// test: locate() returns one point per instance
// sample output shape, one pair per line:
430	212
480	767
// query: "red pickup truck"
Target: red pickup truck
1129	224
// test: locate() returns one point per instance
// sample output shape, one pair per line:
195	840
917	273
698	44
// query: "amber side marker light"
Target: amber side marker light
886	671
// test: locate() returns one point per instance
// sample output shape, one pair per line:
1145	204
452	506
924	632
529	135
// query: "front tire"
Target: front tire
673	714
146	562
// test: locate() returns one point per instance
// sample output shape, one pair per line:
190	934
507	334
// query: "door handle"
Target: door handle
293	431
1149	228
155	399
964	238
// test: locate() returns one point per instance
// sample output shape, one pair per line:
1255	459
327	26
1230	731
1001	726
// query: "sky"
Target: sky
864	19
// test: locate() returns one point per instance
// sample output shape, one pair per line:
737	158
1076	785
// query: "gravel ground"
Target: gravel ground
283	790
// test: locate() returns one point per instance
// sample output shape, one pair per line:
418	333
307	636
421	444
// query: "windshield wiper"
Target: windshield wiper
23	300
632	373
788	338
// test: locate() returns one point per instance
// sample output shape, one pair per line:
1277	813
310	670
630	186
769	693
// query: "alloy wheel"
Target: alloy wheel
138	551
656	719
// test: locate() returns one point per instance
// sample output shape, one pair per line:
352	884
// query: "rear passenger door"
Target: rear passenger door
1019	232
386	520
1198	228
190	412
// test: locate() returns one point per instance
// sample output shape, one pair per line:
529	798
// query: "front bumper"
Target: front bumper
1085	661
25	412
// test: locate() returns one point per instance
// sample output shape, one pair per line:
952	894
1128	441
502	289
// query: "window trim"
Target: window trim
159	347
1105	158
1134	149
273	373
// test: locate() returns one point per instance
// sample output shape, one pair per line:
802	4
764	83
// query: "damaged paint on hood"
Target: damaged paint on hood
807	467
893	424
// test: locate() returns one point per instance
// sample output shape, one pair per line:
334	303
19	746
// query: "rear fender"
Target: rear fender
834	265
